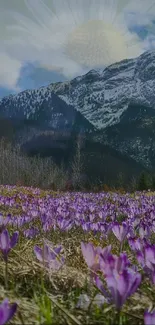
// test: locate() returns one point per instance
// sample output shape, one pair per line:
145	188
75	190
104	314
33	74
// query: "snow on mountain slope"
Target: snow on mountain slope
103	96
119	101
44	107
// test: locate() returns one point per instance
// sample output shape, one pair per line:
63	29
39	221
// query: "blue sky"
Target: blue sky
33	76
44	41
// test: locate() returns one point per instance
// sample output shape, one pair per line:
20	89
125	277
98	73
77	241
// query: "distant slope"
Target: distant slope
112	109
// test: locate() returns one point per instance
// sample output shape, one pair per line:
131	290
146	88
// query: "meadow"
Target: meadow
76	258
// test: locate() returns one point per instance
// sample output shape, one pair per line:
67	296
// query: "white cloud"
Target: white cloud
136	18
9	71
149	42
70	35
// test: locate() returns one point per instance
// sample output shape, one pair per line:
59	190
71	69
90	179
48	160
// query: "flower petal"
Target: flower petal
39	253
14	239
5	241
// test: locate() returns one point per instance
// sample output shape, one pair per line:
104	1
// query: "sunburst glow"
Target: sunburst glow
73	36
96	43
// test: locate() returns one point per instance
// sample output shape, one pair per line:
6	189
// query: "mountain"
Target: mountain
42	123
103	96
120	102
134	135
35	114
112	109
45	109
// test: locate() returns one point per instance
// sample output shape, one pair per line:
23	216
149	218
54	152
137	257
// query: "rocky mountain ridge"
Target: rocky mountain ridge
114	107
103	96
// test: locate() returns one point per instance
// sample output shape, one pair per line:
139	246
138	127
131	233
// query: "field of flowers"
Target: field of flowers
76	258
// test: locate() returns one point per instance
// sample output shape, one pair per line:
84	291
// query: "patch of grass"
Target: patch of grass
55	302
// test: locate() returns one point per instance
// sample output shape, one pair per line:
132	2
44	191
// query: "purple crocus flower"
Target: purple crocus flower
135	221
85	226
64	224
31	232
7	311
140	258
146	258
90	255
49	257
135	244
121	286
120	231
114	263
104	252
3	222
144	230
6	244
100	286
149	318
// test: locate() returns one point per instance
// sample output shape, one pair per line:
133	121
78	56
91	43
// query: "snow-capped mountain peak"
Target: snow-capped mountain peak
102	96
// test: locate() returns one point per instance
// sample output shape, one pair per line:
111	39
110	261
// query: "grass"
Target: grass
51	298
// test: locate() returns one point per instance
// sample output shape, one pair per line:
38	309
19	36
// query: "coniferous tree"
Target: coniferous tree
153	183
143	182
120	180
133	184
77	165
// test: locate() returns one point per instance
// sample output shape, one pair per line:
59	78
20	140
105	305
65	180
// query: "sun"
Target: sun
96	43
